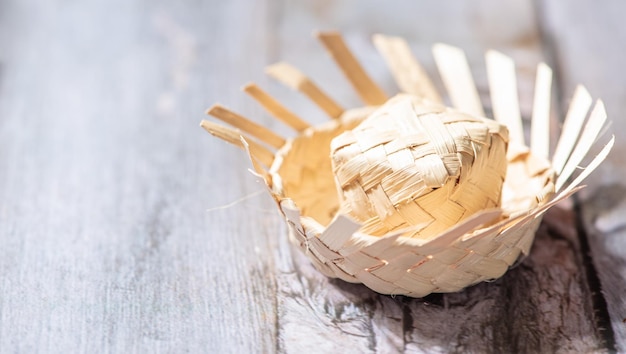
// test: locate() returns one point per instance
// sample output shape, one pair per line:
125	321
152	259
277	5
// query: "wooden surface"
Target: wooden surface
117	230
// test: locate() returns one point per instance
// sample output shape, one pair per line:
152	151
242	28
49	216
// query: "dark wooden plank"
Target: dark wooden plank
587	42
544	305
541	306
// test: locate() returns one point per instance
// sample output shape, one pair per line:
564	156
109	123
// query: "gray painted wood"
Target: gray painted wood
106	244
588	45
115	230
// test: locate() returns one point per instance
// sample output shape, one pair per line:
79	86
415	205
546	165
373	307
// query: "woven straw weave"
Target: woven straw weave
416	163
408	196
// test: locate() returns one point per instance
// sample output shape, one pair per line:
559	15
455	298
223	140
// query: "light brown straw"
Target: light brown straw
406	70
457	78
239	121
368	90
540	133
580	104
503	89
405	196
295	79
414	163
275	108
234	137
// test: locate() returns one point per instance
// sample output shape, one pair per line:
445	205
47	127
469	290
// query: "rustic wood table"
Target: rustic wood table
117	230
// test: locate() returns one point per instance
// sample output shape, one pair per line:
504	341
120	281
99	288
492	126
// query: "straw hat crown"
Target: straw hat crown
416	163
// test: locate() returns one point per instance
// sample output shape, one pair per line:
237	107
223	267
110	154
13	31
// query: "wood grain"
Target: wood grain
116	233
588	52
106	244
540	306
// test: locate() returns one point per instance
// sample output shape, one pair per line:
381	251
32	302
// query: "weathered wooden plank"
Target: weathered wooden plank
544	305
106	244
540	306
586	39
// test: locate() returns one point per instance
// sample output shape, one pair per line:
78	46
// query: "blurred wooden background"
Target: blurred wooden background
115	230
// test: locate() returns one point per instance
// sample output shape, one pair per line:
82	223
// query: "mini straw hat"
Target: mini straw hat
406	195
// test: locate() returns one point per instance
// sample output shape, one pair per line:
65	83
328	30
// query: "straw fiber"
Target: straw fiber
408	196
417	163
